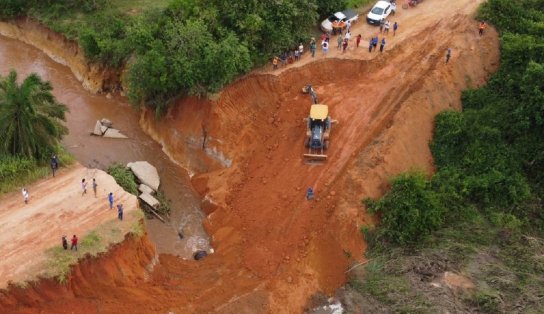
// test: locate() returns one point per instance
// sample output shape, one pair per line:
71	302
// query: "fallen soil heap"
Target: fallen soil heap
274	249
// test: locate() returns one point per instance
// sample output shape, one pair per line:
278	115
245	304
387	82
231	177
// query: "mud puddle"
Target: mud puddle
85	109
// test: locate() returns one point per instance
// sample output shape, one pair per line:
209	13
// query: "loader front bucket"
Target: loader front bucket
316	157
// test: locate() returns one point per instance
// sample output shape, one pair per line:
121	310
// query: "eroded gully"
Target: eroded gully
95	152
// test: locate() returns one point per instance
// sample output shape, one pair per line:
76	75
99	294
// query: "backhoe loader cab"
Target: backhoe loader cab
318	132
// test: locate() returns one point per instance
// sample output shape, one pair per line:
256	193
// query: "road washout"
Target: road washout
274	249
57	207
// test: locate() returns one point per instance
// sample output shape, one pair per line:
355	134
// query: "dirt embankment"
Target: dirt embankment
274	249
126	265
386	105
93	77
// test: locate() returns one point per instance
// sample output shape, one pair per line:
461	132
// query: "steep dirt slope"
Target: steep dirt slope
274	249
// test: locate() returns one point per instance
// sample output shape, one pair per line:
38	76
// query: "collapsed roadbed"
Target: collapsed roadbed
274	249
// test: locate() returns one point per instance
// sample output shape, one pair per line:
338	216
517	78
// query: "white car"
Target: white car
344	16
380	11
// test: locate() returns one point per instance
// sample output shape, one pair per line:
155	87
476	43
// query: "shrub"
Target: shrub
410	211
124	177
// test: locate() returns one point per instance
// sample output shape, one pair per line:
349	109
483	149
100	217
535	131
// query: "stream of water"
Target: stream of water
95	152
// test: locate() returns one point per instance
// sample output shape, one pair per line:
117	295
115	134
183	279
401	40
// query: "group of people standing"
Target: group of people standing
74	240
110	197
289	57
343	40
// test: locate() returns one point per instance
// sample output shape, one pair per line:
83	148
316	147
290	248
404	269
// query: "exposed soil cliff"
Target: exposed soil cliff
94	77
274	249
126	265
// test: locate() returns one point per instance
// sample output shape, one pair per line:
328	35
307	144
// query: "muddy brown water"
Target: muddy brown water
95	152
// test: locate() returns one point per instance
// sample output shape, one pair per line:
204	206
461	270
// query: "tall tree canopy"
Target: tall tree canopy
30	117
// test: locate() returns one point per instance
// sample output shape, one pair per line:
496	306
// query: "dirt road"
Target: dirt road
274	249
56	207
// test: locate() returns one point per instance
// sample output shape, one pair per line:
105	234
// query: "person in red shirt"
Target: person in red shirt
358	41
74	243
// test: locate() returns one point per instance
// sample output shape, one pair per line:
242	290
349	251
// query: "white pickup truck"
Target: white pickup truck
380	11
344	16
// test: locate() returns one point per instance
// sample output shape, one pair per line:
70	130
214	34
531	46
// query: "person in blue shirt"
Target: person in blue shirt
382	45
110	200
375	41
310	194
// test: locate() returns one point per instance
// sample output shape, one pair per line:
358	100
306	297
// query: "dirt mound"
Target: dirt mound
274	249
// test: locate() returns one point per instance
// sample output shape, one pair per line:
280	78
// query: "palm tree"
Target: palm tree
30	117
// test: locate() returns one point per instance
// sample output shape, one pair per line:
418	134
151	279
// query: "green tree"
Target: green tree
410	211
30	117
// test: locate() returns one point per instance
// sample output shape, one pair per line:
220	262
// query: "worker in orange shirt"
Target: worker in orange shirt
483	25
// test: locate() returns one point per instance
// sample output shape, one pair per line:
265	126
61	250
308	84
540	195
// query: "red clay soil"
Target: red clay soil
274	249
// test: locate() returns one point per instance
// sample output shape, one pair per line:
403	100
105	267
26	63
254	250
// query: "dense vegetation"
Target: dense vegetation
30	130
481	212
124	177
30	117
179	47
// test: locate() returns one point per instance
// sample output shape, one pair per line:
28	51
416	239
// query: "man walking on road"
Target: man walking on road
313	47
395	27
340	40
25	195
120	211
54	164
358	40
482	27
382	44
94	186
74	243
448	55
110	200
83	187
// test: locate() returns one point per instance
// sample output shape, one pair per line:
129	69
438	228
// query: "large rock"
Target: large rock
145	189
150	200
113	133
97	129
146	173
107	123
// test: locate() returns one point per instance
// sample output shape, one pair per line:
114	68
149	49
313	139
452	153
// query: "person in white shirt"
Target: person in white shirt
25	195
325	46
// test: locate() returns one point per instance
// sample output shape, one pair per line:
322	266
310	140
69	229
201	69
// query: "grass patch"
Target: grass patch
17	172
124	177
164	207
59	261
